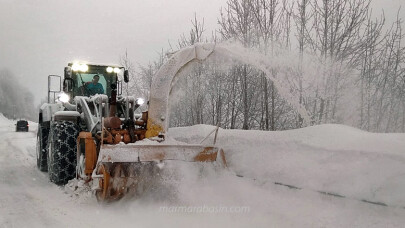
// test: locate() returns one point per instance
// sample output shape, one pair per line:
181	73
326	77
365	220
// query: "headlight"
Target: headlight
63	97
116	70
109	69
140	101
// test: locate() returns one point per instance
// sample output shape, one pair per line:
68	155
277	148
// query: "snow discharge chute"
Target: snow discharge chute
163	80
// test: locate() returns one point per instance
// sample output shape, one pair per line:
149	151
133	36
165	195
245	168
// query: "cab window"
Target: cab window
80	88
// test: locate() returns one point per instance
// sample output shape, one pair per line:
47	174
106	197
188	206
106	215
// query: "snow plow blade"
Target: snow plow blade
131	169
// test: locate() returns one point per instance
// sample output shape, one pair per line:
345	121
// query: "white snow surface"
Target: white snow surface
332	158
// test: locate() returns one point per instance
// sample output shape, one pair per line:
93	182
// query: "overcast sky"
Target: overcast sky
39	37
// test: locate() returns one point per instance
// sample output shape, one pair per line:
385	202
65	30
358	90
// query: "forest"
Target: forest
16	100
345	66
343	63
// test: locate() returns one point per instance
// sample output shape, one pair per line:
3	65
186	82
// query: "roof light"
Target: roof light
110	69
84	68
116	70
76	67
80	67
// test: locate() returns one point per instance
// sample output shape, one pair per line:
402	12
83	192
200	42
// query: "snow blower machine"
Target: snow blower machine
88	131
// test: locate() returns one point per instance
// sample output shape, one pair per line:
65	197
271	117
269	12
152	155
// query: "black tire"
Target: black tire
42	148
62	152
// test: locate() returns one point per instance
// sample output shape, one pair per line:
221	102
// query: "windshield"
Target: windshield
95	81
90	84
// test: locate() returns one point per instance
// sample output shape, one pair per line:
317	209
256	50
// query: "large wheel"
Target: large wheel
62	152
42	148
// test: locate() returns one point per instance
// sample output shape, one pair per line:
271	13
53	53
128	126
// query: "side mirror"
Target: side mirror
68	72
54	86
126	76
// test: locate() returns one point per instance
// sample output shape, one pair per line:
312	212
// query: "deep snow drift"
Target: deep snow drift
332	158
327	158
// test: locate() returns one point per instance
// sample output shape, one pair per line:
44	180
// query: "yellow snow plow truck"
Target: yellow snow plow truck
88	130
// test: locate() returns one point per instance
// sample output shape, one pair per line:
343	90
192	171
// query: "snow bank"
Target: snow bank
3	119
331	158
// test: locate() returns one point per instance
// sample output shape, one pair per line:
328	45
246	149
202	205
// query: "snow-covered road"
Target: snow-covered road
28	199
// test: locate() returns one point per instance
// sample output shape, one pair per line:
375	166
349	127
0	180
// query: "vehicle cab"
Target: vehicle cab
78	77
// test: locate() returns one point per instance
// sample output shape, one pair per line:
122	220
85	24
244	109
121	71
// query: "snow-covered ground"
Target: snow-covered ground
329	158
